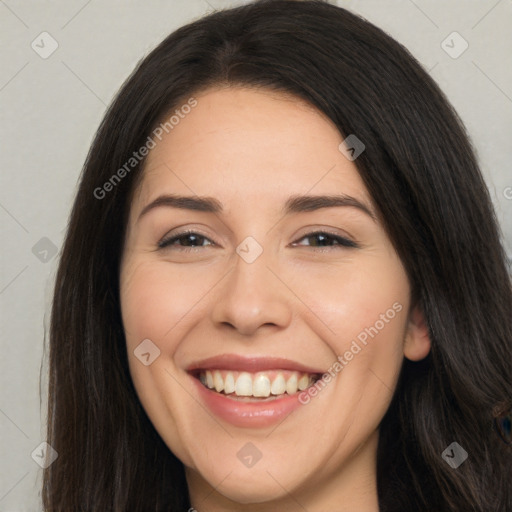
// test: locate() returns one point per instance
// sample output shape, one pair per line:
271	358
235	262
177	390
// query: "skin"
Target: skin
251	149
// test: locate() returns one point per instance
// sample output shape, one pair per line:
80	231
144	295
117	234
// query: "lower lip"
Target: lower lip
248	414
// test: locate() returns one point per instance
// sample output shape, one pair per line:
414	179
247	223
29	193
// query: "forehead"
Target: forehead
239	144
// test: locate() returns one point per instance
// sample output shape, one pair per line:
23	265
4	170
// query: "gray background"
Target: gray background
52	106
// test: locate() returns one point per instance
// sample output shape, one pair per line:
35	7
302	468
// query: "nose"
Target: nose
252	297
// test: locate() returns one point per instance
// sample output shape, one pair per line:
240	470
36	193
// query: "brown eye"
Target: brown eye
188	239
324	239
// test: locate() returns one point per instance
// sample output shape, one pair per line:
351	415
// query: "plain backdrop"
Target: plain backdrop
52	104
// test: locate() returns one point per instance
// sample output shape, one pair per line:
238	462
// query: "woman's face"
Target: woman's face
254	303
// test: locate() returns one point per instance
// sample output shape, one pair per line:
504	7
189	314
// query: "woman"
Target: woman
282	286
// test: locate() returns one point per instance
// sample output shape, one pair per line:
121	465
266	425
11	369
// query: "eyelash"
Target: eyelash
342	242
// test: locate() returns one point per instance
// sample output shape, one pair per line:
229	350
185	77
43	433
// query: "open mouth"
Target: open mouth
260	386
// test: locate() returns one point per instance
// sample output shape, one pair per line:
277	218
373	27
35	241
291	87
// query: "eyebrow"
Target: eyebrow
294	204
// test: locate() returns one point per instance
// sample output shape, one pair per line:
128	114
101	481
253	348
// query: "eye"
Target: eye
323	239
187	239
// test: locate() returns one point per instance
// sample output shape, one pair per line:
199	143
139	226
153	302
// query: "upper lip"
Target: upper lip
250	364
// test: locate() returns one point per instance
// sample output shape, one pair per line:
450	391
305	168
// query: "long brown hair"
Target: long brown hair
422	174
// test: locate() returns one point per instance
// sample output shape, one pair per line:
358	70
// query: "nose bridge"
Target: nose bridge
252	296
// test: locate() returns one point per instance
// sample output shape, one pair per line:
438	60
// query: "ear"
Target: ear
417	341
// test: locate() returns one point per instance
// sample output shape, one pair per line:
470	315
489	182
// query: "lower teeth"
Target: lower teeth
251	398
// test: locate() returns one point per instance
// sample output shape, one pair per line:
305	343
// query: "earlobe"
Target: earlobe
417	339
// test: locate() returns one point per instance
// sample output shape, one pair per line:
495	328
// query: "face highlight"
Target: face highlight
251	292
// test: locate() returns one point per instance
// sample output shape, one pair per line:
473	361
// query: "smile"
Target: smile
251	392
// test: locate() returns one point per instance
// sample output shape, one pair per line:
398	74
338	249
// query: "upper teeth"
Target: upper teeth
260	384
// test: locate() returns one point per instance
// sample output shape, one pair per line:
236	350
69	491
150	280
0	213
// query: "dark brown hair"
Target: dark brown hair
422	174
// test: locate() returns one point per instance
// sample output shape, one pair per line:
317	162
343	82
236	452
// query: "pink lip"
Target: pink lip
241	413
249	364
247	414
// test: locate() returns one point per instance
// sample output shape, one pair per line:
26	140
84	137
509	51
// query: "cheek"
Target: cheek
150	309
361	311
362	298
153	301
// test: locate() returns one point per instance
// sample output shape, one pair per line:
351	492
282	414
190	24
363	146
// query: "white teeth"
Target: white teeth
279	385
256	385
243	386
261	386
229	384
303	382
291	385
209	380
218	382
